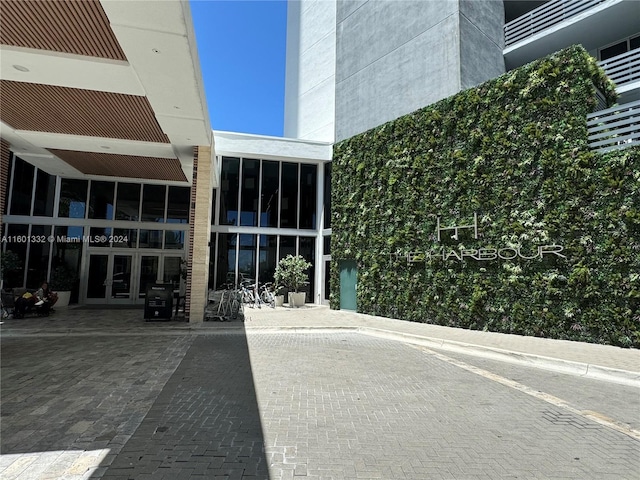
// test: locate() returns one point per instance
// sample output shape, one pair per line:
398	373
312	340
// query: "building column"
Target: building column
199	234
5	154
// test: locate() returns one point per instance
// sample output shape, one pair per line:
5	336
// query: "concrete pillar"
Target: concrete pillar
199	233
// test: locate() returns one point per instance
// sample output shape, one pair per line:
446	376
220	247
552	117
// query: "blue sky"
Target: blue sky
241	45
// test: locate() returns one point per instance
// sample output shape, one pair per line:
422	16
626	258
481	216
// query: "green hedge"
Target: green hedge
514	151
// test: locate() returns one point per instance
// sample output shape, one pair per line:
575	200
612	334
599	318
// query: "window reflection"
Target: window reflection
150	239
250	188
178	200
268	257
229	186
99	236
174	239
308	196
128	201
269	196
44	194
327	195
153	197
38	256
308	251
73	198
23	173
101	200
289	202
247	257
125	237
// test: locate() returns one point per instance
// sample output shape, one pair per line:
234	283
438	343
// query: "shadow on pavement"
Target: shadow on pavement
151	400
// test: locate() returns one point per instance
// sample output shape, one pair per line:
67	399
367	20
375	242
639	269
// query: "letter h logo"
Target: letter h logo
457	228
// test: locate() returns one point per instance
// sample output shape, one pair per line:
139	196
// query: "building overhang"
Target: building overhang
106	88
271	148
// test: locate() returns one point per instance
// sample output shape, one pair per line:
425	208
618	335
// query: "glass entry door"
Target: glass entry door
109	278
123	278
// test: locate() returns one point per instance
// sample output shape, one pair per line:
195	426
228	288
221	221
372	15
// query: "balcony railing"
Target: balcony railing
543	17
615	128
623	69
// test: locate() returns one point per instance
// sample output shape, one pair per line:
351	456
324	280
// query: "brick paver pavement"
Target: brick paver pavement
109	396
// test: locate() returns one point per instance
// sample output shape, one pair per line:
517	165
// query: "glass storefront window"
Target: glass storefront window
153	197
174	239
171	272
287	246
267	257
247	257
128	201
17	243
99	236
38	256
308	251
178	200
73	198
97	275
308	196
327	195
45	194
148	273
151	238
289	197
229	186
101	200
269	195
67	250
125	238
226	259
249	192
22	184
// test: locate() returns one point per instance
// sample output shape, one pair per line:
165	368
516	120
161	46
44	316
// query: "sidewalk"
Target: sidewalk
597	361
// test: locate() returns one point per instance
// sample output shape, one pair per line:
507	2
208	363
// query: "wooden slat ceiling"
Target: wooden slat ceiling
49	108
114	165
78	27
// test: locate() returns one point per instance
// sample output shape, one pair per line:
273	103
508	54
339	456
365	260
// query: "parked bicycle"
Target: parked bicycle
267	294
250	295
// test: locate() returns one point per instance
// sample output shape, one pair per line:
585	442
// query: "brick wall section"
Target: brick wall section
199	234
192	218
5	154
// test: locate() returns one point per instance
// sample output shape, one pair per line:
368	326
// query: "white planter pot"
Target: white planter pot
297	299
63	299
279	300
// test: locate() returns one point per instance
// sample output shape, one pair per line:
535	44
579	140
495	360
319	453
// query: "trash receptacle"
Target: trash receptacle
158	303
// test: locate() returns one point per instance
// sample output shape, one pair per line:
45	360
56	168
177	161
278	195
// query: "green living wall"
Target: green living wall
514	152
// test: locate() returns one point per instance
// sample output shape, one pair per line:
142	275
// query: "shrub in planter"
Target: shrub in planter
10	263
292	273
63	280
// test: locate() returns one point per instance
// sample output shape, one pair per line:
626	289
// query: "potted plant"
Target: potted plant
291	272
279	295
9	263
63	280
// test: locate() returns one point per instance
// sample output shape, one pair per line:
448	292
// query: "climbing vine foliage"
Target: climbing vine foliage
514	153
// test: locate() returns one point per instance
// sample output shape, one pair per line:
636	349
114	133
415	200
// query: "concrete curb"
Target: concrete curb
596	372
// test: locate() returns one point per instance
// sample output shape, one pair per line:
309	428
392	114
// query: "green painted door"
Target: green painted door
348	281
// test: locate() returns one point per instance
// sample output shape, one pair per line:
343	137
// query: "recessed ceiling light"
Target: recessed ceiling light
155	50
21	68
